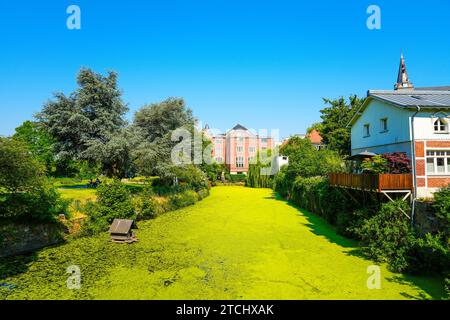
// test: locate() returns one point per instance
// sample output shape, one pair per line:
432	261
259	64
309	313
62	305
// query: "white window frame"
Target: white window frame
239	148
439	123
366	130
384	125
435	155
239	164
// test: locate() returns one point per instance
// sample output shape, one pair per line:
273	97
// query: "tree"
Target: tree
158	119
335	118
38	142
154	124
87	120
24	189
306	161
19	170
254	177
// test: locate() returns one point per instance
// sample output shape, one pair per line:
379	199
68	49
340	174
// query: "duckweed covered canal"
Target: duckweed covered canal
239	243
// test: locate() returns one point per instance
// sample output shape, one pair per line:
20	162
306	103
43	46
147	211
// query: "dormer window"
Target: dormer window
440	126
366	132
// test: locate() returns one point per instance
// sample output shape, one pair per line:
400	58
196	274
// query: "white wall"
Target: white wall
424	126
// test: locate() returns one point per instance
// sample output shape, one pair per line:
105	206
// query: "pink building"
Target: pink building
238	147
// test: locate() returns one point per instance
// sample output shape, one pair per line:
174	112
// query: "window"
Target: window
384	125
219	159
218	141
440	126
264	140
218	151
239	149
438	162
240	139
251	149
366	130
239	162
252	160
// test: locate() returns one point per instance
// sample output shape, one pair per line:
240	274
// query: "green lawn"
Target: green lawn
238	243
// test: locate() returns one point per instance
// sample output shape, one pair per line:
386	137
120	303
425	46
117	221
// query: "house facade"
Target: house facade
238	147
410	120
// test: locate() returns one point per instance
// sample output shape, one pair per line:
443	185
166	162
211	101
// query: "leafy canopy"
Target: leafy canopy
85	122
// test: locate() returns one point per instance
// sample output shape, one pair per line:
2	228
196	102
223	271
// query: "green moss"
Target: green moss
238	243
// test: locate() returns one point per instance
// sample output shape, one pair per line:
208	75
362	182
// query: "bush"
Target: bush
315	195
203	193
429	255
113	201
182	199
25	192
387	236
280	183
239	177
442	205
43	204
375	165
145	205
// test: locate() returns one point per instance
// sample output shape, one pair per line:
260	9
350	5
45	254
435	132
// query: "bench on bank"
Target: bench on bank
121	231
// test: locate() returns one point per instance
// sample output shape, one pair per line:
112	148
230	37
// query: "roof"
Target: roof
407	99
121	226
314	136
239	127
413	98
442	88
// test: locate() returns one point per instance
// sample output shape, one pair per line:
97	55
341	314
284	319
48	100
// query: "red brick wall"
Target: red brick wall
438	182
420	149
420	167
438	144
421	182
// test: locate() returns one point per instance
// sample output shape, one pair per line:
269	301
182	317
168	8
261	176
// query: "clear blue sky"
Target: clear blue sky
265	64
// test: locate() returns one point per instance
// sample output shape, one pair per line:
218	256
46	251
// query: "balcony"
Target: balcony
372	182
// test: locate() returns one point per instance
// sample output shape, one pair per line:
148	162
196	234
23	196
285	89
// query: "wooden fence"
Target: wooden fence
372	182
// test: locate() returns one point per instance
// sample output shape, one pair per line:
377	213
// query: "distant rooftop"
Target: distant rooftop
239	127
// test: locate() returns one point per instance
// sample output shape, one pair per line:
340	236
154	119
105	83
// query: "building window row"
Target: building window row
438	161
383	127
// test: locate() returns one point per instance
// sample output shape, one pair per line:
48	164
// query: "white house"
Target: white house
411	120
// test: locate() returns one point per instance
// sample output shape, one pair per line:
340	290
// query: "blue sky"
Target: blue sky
265	64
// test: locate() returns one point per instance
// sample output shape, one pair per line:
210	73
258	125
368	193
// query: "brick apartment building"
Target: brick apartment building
238	147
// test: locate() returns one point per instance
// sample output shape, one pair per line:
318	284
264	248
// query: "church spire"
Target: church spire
402	78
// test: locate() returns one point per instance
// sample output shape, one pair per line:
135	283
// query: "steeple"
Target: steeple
402	78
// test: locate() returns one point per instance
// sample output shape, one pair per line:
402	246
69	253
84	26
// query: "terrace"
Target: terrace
391	185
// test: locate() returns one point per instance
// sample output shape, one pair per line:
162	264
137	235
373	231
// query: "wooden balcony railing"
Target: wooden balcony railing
372	182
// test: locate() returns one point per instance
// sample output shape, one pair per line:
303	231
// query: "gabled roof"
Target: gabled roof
239	127
121	226
407	99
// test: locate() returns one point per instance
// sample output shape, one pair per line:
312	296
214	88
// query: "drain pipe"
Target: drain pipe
413	162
